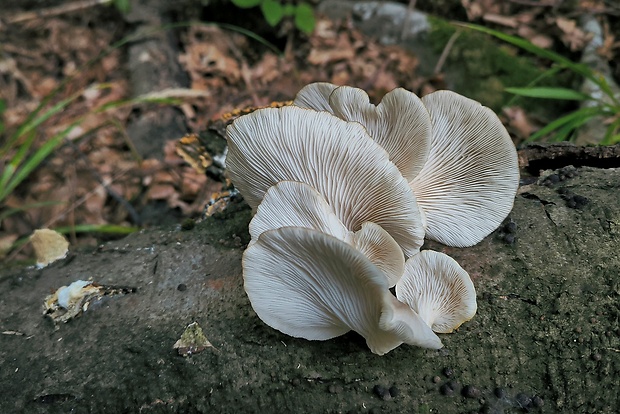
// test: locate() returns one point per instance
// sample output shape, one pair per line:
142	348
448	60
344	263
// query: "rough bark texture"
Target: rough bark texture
546	332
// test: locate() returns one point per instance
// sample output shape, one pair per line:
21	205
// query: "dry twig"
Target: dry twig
54	11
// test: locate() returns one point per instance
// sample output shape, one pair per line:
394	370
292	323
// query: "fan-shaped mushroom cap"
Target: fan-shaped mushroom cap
295	204
335	157
438	289
311	285
381	249
468	184
400	123
315	96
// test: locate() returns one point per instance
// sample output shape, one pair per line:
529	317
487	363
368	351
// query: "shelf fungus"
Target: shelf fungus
455	153
70	301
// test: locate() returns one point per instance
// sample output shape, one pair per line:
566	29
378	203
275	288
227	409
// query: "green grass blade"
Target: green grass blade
139	100
560	122
31	123
97	228
33	162
16	160
564	133
10	211
604	85
612	135
550	93
578	68
546	74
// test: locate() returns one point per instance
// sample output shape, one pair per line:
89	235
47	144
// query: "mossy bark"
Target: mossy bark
546	331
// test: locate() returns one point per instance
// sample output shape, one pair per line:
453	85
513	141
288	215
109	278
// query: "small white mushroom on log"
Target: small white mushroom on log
437	289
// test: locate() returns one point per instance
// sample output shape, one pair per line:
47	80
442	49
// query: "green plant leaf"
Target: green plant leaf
578	68
273	11
569	128
16	161
564	120
304	18
123	6
550	93
97	228
289	9
10	211
612	135
34	120
35	159
246	4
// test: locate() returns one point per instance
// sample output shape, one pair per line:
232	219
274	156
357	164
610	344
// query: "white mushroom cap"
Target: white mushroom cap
335	157
437	289
400	123
324	289
468	184
295	204
381	249
315	96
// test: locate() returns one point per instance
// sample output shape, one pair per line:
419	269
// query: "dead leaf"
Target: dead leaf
6	243
508	21
518	122
192	341
572	35
49	246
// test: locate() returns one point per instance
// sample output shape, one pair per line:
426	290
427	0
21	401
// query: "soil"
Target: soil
546	337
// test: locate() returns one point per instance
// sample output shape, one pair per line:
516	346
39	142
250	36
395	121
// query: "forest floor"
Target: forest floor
546	337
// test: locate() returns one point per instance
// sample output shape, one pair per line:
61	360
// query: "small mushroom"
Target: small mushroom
400	123
381	249
336	158
315	96
437	289
325	289
295	204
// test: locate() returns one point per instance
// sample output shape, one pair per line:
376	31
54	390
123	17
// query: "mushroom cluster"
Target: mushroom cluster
344	193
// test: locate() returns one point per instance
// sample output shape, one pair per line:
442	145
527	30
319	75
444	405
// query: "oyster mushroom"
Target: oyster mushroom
468	184
315	96
400	123
325	289
437	289
465	182
295	204
336	158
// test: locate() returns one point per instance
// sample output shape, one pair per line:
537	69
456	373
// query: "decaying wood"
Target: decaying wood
534	158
